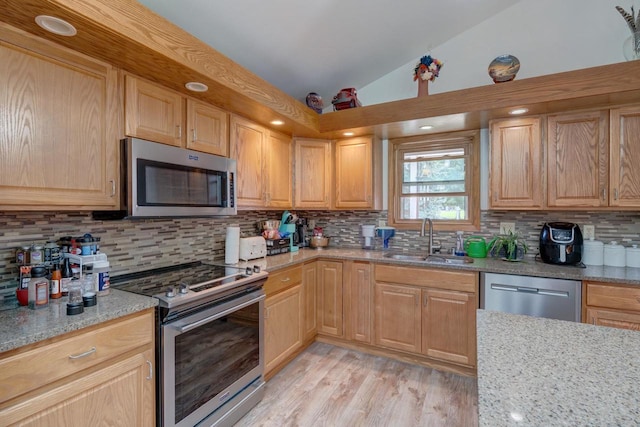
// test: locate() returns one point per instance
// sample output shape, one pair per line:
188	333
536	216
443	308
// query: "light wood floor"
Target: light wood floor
336	387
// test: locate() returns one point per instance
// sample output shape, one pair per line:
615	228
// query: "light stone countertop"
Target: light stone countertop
22	325
527	267
545	372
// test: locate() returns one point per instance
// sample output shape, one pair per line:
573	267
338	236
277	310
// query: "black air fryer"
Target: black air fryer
561	243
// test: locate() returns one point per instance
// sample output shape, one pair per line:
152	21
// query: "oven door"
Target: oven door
209	358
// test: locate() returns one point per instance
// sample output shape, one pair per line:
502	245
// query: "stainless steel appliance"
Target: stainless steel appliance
561	243
533	296
168	181
209	339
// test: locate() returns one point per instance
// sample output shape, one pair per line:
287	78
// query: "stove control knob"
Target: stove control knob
184	288
170	292
256	269
248	271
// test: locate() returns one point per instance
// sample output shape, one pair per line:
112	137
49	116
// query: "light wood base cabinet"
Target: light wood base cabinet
309	299
358	301
330	305
613	305
60	127
283	329
112	385
429	312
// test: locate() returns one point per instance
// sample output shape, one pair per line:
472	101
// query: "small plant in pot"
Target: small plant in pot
506	246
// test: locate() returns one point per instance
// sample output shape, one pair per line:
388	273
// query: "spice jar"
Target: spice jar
37	255
22	255
38	288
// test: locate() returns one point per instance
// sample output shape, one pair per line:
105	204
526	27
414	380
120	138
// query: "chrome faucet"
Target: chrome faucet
423	233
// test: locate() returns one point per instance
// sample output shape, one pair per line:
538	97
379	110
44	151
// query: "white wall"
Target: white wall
547	36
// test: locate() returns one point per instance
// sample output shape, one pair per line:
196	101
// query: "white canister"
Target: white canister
614	254
633	256
593	252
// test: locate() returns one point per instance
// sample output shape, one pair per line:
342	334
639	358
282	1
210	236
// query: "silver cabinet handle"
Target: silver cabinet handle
179	131
604	194
194	135
150	370
81	355
113	187
286	279
615	194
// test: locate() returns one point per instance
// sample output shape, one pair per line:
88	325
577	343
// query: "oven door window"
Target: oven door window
214	356
164	184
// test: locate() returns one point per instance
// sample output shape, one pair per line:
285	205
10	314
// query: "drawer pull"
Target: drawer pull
286	279
150	370
81	355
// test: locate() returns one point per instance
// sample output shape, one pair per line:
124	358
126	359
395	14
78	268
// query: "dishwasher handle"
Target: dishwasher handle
525	289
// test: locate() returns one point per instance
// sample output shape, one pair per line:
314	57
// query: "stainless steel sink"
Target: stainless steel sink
431	259
406	257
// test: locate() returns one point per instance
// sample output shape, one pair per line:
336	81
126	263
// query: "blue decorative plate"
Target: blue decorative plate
504	68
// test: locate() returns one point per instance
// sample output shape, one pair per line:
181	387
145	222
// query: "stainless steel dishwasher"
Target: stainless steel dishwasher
533	296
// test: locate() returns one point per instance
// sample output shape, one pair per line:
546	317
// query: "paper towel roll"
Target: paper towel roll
232	245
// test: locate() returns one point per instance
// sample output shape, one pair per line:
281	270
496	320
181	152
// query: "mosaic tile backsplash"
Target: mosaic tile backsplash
141	244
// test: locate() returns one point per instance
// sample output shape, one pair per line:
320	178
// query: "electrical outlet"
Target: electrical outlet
589	232
505	227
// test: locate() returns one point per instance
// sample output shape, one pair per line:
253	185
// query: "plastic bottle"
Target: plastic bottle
56	279
101	277
459	251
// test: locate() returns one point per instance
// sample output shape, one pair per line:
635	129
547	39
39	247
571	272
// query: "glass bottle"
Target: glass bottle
66	275
56	279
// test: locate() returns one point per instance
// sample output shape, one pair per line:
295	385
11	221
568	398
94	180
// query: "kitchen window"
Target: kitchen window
437	177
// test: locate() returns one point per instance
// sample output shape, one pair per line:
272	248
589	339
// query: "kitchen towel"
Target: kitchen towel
232	245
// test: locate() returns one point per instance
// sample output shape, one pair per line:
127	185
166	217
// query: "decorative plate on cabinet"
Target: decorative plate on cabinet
504	68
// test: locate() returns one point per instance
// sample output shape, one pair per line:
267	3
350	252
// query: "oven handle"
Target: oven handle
190	326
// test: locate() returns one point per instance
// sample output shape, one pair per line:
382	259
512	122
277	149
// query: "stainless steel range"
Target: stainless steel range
209	339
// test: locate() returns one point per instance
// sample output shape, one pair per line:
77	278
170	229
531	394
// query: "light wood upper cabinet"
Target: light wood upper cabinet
207	128
358	173
313	163
158	114
60	127
577	159
279	178
264	165
516	178
153	112
330	298
624	175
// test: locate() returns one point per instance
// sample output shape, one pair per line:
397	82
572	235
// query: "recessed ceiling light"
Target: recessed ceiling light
196	86
518	111
56	25
348	134
277	122
426	127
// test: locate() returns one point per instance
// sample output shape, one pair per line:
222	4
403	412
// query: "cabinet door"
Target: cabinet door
279	171
360	302
309	298
613	319
59	131
330	315
577	159
354	175
247	140
283	331
121	394
449	326
208	128
153	112
515	172
624	177
312	185
397	317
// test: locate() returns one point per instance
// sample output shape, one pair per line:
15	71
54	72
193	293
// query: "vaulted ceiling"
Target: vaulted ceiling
325	45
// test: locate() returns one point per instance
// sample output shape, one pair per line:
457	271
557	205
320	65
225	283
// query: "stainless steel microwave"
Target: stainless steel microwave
161	180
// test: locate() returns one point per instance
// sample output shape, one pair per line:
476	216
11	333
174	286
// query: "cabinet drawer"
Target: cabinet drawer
283	279
464	281
29	370
610	296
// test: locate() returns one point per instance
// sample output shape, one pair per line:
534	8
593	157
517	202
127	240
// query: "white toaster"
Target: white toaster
252	248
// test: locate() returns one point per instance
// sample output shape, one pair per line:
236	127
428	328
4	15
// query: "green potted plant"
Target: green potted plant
507	245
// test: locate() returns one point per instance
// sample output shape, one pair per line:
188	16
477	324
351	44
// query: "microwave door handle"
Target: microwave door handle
208	319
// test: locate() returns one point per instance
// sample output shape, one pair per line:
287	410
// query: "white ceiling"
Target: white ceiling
322	46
